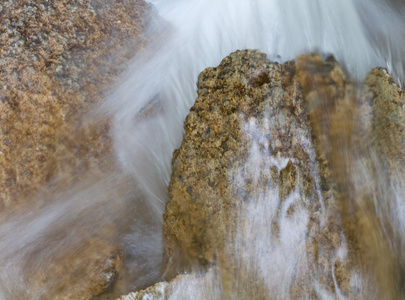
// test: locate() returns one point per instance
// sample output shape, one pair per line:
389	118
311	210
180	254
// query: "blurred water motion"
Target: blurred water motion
148	108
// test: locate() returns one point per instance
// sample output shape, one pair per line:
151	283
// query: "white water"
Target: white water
199	33
187	37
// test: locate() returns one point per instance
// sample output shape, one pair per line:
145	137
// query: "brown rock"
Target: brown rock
155	292
95	271
57	59
358	138
379	178
196	286
246	190
388	122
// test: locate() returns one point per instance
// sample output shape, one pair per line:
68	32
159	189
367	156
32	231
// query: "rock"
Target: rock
210	217
217	145
57	59
379	178
387	126
96	271
155	292
246	191
358	133
199	286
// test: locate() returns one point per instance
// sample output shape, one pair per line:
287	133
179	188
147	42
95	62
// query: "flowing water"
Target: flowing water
148	108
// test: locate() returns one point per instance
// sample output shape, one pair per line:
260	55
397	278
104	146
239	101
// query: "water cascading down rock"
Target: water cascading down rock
247	190
272	151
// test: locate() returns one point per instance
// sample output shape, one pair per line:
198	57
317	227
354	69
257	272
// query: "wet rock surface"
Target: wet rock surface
96	264
266	147
380	176
57	59
155	292
358	133
388	116
249	188
199	286
304	135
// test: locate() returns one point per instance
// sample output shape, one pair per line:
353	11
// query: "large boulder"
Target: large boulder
57	59
283	173
249	190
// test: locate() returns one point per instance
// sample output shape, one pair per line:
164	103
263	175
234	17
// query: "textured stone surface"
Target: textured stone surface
356	139
380	178
96	270
358	133
155	292
57	59
216	144
248	189
198	286
388	111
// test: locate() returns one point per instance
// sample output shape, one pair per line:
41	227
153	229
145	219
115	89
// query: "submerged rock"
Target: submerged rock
96	270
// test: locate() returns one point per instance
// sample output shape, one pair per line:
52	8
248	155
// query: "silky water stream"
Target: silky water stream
148	108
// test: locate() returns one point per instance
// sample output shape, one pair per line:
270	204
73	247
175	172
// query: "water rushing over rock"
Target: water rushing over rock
246	190
286	175
266	186
58	232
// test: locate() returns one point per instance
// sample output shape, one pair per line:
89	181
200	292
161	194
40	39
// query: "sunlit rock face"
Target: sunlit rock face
57	58
248	191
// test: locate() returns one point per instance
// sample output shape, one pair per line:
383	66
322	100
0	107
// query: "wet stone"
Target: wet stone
251	184
57	59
